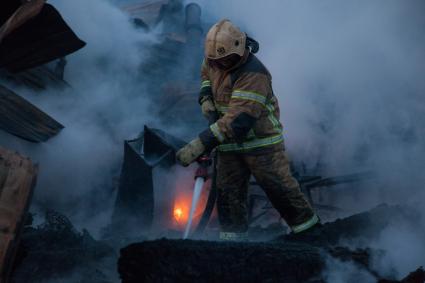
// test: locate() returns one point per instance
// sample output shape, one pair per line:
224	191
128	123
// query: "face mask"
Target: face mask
227	62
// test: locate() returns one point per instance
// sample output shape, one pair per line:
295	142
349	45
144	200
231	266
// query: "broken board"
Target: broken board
22	119
17	180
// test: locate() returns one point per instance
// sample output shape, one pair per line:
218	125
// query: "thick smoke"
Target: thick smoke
349	77
106	105
343	272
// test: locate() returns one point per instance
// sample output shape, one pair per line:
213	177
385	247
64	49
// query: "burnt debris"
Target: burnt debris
55	251
280	260
22	119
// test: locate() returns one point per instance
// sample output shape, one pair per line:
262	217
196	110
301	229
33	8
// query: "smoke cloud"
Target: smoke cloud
345	272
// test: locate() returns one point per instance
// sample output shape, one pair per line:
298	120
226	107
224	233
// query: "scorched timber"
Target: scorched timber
22	119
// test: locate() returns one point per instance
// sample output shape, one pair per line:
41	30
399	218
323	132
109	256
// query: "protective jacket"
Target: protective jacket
248	109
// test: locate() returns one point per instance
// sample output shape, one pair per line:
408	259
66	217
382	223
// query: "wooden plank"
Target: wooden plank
17	181
21	118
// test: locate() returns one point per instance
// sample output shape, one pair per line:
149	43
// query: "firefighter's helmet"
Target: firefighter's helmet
223	39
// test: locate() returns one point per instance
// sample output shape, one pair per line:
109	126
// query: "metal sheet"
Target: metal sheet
22	119
134	206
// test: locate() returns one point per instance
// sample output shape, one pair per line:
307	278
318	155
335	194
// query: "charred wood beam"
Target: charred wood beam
22	119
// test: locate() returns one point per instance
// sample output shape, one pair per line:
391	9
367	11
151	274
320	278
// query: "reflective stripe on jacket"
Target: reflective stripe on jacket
249	111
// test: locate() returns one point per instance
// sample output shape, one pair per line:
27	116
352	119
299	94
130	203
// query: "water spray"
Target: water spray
201	176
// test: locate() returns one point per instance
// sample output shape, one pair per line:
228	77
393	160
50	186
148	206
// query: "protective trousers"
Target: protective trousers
272	173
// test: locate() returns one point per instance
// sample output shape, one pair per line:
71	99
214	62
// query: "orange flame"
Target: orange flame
182	203
178	214
181	211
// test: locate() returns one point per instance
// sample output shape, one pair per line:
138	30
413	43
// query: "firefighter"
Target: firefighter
247	136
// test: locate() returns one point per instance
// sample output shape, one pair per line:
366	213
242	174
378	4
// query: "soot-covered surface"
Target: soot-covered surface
281	260
202	261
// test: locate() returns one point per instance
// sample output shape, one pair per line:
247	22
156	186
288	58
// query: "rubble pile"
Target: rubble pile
55	251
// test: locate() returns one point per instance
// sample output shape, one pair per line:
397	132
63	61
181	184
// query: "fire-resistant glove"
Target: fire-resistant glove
190	152
207	107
